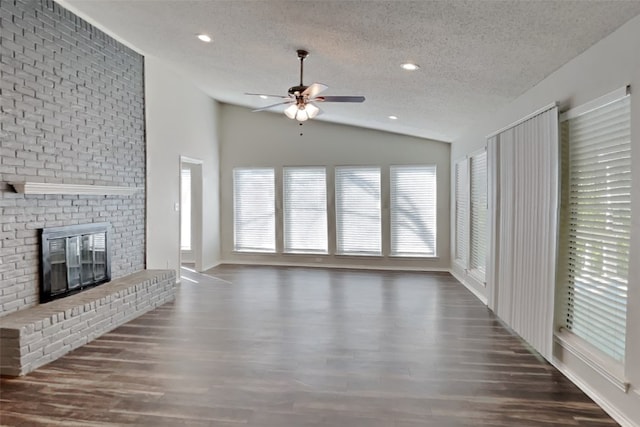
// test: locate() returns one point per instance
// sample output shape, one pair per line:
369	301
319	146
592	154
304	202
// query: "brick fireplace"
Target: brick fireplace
72	107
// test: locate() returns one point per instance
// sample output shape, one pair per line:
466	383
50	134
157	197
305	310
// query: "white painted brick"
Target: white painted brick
65	137
67	334
79	327
33	357
38	344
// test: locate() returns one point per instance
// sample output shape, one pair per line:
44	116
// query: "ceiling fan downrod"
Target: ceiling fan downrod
302	55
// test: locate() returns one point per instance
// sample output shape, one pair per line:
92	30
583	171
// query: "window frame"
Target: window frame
610	366
461	216
434	211
362	253
274	214
478	272
285	200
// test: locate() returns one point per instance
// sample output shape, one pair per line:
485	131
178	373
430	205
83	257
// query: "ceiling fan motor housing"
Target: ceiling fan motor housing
299	89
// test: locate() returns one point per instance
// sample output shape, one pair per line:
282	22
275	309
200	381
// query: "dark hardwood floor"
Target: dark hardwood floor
299	347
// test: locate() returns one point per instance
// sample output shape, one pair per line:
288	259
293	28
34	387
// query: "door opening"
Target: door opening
191	212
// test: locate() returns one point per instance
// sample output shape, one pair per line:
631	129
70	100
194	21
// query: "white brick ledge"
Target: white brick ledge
36	336
32	187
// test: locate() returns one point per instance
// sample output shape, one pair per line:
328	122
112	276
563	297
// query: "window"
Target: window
185	209
305	210
471	214
596	221
254	211
478	216
462	218
358	217
413	210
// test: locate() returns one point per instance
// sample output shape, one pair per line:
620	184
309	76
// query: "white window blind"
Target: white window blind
413	210
478	216
596	221
525	212
305	210
185	209
358	217
254	212
462	216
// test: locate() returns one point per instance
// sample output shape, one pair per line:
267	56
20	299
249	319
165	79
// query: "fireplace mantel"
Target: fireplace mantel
32	187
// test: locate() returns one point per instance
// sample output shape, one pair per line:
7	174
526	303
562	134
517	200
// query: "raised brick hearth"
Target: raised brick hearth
33	337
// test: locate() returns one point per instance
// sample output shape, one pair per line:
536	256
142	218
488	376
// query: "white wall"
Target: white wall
270	139
610	64
181	121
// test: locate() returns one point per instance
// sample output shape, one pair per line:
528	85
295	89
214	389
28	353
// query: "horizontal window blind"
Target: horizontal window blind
305	210
254	212
413	210
462	215
596	219
358	216
478	215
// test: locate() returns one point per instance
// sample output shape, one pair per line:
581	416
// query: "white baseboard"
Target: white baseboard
345	266
605	404
210	266
474	291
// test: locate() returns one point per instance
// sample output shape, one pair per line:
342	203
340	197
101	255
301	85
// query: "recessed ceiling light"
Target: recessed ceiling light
205	38
409	66
264	96
393	117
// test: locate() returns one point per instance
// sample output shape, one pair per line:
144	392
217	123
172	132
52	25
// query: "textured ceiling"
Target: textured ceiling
474	55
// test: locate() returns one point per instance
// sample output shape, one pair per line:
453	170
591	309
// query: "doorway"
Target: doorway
191	212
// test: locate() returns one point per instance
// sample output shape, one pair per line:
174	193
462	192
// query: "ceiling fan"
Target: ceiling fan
302	98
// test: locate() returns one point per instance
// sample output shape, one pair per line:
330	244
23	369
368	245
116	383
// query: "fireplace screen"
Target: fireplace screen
73	258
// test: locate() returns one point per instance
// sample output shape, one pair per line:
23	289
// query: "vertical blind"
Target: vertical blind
526	209
185	209
305	210
596	222
413	210
358	216
254	211
462	200
478	216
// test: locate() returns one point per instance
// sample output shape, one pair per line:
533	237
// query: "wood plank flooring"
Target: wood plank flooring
300	347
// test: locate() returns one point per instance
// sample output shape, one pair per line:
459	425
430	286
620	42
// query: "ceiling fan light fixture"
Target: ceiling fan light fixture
301	112
312	110
291	111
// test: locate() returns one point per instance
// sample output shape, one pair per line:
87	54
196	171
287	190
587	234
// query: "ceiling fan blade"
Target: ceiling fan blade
313	90
339	99
263	95
273	105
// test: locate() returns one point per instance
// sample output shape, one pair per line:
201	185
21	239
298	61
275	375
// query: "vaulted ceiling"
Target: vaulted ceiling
474	56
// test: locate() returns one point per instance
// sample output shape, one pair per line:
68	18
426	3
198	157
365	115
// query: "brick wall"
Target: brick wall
71	110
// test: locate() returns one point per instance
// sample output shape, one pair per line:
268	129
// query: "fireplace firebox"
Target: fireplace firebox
73	258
